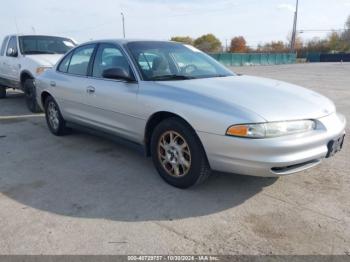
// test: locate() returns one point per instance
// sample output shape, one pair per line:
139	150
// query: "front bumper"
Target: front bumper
272	157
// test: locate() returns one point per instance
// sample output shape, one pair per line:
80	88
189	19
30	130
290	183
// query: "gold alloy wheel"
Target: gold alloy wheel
174	154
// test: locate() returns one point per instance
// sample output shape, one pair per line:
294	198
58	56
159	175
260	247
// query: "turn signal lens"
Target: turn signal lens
41	69
239	130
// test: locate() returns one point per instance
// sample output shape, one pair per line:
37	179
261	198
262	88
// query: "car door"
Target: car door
70	81
113	103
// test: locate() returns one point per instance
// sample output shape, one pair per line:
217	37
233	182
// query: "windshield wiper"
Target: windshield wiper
171	77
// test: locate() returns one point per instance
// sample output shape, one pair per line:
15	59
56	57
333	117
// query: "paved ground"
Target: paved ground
82	194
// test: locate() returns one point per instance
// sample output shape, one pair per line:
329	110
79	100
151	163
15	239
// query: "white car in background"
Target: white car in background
24	57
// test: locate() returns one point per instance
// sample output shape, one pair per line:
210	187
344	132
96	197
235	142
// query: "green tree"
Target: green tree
208	43
334	42
346	33
183	39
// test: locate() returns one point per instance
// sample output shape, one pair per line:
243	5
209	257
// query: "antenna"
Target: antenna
16	25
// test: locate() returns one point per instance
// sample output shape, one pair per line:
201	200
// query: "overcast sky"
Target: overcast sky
257	20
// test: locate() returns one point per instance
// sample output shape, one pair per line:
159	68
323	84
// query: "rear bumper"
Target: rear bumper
273	156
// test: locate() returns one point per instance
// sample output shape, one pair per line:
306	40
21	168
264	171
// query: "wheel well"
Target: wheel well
25	76
44	96
152	122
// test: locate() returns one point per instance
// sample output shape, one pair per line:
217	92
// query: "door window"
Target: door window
63	67
109	56
12	44
3	47
80	60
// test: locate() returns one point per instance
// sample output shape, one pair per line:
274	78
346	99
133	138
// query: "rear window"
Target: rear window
30	45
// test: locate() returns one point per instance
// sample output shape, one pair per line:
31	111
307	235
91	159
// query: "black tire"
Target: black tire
30	96
2	92
198	169
61	128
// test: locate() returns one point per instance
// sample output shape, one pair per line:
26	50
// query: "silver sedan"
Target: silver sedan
191	114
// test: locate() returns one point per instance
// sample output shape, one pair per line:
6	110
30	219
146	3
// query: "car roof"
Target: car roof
38	35
126	41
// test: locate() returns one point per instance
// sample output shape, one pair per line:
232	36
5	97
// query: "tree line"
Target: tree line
335	42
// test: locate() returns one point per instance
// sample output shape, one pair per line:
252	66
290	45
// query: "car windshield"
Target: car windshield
165	61
30	45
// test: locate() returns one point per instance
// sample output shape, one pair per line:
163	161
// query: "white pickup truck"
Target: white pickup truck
24	57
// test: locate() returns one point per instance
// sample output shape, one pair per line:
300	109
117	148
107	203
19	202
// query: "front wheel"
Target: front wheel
178	154
2	92
54	119
30	96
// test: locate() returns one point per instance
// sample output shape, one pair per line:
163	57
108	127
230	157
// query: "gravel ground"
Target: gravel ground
83	194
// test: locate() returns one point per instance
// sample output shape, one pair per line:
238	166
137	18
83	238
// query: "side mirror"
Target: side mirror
117	73
11	52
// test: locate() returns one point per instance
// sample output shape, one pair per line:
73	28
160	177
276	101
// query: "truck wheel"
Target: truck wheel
2	92
178	154
30	96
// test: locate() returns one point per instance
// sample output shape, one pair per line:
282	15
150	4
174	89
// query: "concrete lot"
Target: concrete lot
82	194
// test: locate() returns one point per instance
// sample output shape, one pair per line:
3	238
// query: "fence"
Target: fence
324	57
241	59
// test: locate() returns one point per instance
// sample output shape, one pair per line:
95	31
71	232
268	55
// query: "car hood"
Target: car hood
272	100
45	60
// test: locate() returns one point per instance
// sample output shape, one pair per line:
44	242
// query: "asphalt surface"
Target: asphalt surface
82	194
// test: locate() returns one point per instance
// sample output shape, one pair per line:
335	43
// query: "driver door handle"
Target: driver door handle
90	89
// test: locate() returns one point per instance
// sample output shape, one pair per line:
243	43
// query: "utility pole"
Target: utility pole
123	22
294	34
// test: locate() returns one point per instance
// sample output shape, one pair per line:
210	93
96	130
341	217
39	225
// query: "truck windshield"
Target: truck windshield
30	45
167	61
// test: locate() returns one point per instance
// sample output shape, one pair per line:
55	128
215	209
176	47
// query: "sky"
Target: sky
258	21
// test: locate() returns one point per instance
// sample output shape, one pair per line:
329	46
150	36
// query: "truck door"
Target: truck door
2	59
11	66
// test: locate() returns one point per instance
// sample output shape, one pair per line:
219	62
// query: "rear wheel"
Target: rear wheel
54	119
178	154
30	96
2	92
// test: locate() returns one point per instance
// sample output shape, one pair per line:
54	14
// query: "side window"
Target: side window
63	67
12	44
109	56
80	60
3	47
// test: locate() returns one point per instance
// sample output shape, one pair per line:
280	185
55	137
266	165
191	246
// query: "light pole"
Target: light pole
123	22
292	44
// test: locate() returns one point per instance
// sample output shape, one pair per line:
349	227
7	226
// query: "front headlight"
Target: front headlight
42	69
272	129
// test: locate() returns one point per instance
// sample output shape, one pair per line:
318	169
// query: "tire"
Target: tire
190	162
2	92
30	96
54	119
